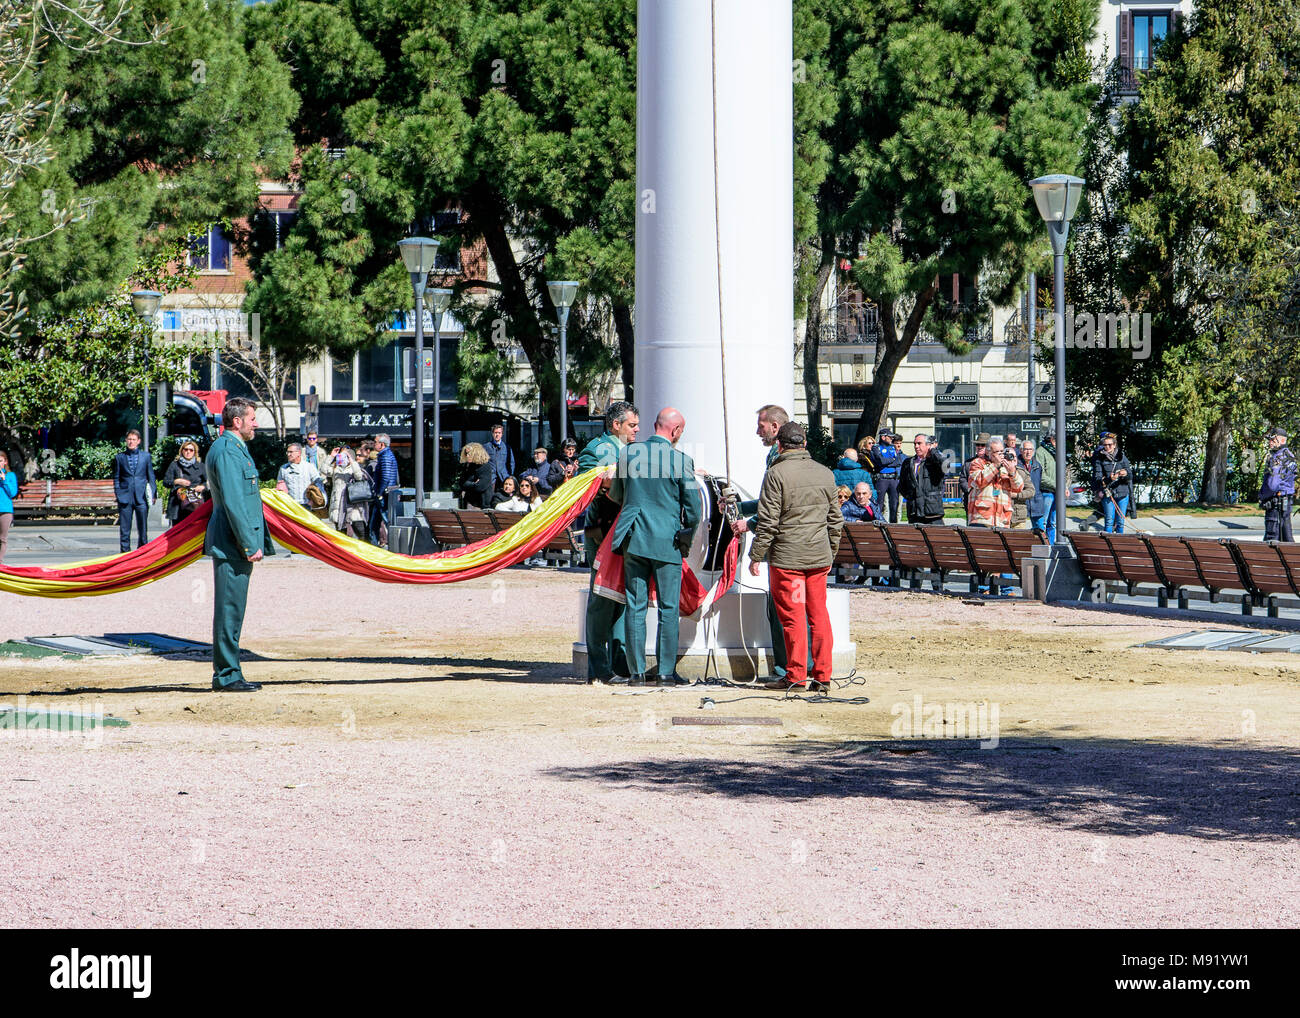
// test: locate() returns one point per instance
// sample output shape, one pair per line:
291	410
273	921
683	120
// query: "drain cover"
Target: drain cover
158	643
81	645
1208	639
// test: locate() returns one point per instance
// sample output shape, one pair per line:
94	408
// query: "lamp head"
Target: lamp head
145	303
418	254
1057	196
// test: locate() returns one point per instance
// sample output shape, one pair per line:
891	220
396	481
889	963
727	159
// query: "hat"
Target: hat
792	435
1279	432
570	442
982	438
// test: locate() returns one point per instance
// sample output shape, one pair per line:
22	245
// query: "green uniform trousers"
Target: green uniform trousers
606	655
668	587
230	597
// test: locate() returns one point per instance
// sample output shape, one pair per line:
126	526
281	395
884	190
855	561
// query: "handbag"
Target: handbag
315	497
360	491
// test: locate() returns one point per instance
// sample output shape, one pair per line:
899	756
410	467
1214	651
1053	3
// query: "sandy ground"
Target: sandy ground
423	756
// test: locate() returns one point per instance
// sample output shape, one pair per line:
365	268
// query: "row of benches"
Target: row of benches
913	551
452	528
1261	571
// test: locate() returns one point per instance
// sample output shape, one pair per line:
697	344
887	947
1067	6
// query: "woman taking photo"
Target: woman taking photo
346	514
187	481
8	492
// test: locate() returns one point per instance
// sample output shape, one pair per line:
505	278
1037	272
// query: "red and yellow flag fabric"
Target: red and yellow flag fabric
298	530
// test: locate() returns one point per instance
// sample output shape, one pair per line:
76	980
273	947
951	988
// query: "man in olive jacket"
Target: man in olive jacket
798	532
237	537
655	484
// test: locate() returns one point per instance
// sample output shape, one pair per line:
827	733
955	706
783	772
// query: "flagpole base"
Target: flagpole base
735	643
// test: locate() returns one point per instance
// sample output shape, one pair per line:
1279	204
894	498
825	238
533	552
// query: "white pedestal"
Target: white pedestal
738	635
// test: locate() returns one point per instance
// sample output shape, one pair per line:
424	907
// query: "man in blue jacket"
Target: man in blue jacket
888	461
135	488
1278	490
385	478
500	455
655	484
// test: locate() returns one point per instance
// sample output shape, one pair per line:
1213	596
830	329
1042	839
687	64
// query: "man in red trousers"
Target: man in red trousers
797	532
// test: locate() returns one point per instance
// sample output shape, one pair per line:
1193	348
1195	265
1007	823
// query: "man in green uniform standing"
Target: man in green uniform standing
655	484
237	537
770	420
605	654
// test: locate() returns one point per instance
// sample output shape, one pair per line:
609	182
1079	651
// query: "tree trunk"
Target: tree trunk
889	355
521	315
623	328
812	387
1214	481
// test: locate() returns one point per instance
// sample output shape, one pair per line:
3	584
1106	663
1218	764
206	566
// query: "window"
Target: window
341	377
378	369
211	253
848	398
1148	31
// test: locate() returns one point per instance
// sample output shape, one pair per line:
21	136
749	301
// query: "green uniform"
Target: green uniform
655	484
605	652
236	530
750	509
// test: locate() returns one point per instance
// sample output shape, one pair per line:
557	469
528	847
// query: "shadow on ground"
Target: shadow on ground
1118	788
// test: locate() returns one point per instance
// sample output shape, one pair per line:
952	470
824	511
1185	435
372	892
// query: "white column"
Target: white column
678	356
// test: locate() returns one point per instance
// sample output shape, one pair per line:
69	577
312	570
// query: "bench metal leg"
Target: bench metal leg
1247	605
1182	600
1272	607
914	580
1162	598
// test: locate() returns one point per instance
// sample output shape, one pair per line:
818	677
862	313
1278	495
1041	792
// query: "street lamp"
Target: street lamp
562	293
439	299
1057	196
145	303
418	254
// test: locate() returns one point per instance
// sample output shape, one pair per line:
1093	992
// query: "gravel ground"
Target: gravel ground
401	768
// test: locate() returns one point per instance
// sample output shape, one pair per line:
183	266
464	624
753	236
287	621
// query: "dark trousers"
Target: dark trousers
887	488
668	586
229	599
125	513
1277	520
606	653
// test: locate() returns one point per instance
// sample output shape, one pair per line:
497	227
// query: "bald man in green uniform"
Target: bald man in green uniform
655	484
237	537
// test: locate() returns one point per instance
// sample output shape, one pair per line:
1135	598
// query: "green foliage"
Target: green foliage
93	460
1214	174
822	446
948	109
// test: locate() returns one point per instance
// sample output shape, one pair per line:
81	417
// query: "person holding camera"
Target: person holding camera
347	512
1112	483
921	481
1277	492
995	479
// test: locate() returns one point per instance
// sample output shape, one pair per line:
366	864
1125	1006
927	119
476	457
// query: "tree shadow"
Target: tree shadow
1111	787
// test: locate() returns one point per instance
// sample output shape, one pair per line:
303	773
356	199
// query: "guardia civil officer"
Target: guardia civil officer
237	537
606	656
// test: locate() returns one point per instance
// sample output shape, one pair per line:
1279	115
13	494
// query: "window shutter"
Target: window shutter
1176	21
1126	40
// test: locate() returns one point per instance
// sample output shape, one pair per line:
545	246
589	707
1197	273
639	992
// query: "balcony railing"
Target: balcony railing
851	323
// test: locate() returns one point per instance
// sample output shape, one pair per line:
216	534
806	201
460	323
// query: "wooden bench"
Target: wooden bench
911	553
1266	571
864	545
454	528
65	498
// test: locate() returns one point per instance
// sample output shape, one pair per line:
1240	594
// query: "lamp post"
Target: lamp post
562	293
439	299
1057	196
418	254
145	303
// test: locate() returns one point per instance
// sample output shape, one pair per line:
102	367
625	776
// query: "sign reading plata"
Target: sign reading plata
956	394
342	420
